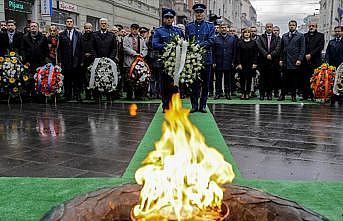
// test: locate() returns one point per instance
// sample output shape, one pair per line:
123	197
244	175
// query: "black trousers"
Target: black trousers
266	80
289	81
245	76
73	82
227	82
200	89
306	75
167	89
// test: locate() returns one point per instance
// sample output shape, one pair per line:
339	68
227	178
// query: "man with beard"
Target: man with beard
12	39
292	54
314	44
203	32
69	55
269	47
161	37
88	55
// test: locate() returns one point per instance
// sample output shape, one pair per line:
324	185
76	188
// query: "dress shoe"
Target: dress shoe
261	98
228	97
281	98
303	99
269	97
203	110
217	97
193	110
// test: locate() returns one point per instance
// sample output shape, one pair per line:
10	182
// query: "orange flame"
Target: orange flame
133	110
183	176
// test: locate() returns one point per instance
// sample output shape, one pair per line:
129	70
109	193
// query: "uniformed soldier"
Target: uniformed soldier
162	36
204	33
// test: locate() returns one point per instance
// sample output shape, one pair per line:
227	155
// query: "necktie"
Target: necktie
70	35
11	38
269	40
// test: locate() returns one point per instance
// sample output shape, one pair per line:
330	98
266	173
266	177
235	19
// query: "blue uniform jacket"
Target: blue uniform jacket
204	34
163	35
334	52
224	51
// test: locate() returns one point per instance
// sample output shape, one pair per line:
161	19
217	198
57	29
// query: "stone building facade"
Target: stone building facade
125	12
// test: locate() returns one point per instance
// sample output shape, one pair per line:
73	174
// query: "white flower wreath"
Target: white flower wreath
183	60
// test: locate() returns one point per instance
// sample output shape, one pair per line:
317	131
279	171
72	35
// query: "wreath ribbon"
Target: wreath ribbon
134	63
51	72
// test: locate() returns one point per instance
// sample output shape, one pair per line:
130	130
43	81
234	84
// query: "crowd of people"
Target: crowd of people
283	64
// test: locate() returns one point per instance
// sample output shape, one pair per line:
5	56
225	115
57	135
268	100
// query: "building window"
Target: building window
94	21
59	16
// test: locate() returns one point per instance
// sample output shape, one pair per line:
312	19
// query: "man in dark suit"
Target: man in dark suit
334	51
35	48
223	54
314	44
104	42
69	55
12	39
35	51
88	56
292	54
269	47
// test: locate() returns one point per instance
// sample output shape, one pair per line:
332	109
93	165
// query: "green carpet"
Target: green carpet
26	199
255	100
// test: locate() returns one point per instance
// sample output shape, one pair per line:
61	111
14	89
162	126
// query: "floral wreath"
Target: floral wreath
104	75
140	73
14	76
49	80
338	87
183	60
322	82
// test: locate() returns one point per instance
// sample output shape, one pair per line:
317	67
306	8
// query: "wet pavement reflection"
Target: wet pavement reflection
70	140
288	142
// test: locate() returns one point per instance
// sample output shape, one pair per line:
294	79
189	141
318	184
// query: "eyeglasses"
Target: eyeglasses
168	17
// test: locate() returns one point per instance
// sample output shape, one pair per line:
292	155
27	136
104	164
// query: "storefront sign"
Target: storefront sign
67	6
20	6
46	8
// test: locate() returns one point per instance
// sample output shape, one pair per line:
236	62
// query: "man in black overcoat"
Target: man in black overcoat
70	56
11	39
104	42
314	44
269	46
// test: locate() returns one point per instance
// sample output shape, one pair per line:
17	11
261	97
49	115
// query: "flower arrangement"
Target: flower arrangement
338	86
104	75
48	80
183	60
322	82
140	73
14	76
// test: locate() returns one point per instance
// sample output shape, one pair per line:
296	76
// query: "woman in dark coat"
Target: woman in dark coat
246	60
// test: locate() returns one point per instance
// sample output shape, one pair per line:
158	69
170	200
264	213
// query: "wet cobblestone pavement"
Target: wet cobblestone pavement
71	140
287	142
